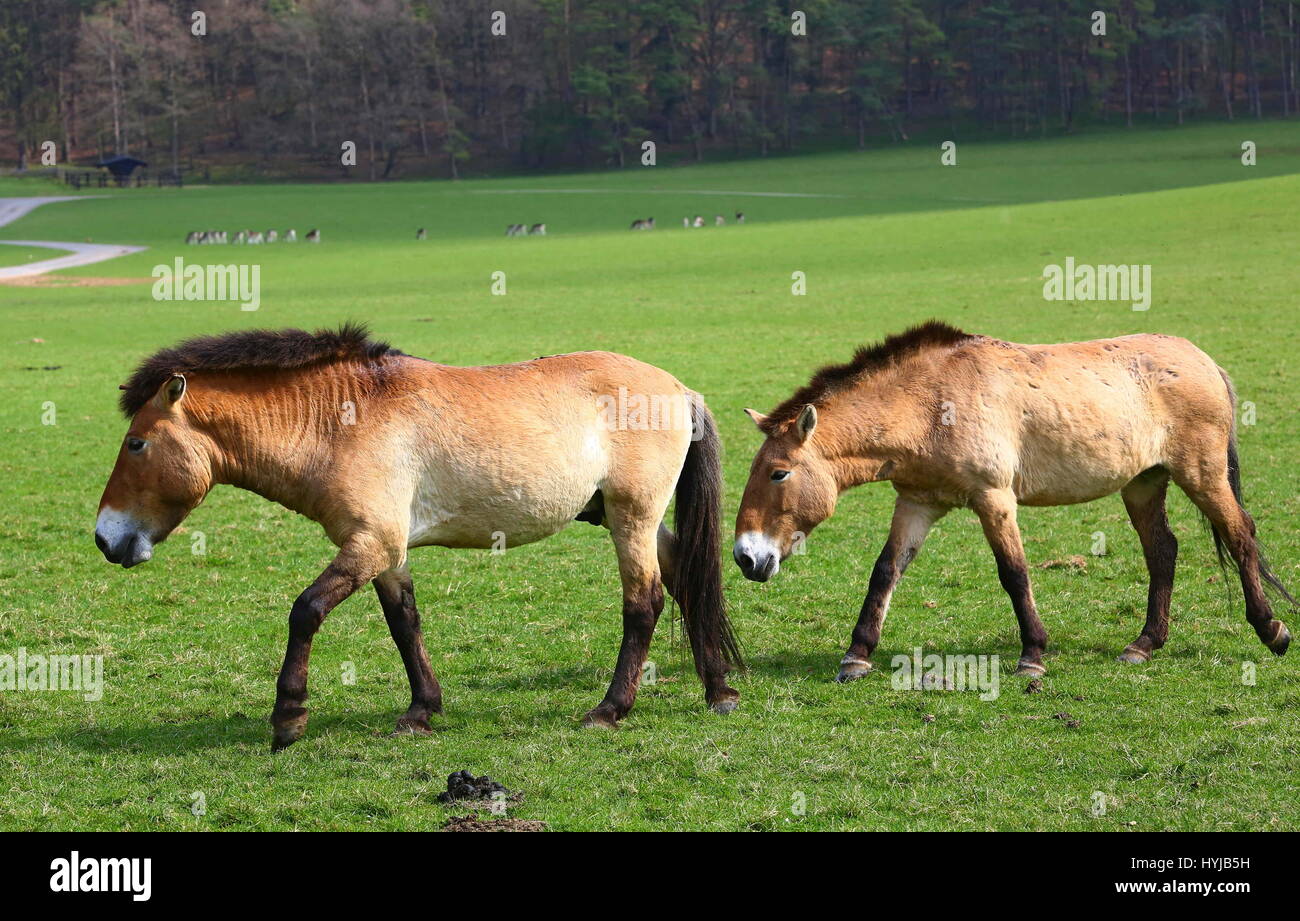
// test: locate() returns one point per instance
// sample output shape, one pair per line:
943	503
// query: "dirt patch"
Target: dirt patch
63	281
1076	562
472	822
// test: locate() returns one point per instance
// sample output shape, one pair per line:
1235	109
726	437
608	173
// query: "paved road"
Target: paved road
11	209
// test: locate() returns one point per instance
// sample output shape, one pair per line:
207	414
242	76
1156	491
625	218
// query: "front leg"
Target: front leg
911	523
359	560
396	594
997	514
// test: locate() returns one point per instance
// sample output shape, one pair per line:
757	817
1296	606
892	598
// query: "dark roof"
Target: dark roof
121	165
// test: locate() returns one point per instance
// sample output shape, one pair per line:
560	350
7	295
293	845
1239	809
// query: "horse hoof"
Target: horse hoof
726	705
283	737
1029	669
852	670
289	730
1281	640
599	719
407	726
1134	656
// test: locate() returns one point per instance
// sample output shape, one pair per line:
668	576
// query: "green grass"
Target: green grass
524	643
21	255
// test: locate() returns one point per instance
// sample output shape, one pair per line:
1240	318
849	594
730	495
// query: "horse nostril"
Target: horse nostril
101	543
746	562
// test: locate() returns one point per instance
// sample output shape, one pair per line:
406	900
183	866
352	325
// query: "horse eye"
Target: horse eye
780	475
135	445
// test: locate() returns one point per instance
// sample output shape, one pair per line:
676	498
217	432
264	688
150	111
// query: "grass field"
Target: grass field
524	643
21	255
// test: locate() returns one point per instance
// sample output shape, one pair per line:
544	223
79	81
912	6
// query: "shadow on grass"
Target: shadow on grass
179	738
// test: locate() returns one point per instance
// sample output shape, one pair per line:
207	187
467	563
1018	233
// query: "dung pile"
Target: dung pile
462	785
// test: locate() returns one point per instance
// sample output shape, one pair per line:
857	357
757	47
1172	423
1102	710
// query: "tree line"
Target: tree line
442	86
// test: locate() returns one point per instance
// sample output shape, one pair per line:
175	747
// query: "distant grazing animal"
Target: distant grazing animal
699	221
313	236
241	237
719	220
515	230
955	420
192	238
421	234
271	236
222	237
291	236
255	237
436	456
740	217
538	230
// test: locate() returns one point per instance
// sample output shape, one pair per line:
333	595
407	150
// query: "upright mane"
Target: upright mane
834	378
254	348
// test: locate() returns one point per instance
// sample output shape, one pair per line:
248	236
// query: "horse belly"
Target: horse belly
509	505
1083	456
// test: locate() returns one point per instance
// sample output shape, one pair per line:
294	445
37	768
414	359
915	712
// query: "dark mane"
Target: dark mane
833	378
254	348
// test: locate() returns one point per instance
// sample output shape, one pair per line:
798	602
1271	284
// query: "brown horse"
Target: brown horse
387	452
958	420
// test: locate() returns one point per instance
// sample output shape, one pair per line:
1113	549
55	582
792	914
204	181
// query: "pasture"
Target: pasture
523	643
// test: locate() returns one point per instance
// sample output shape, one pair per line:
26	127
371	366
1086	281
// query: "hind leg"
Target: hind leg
712	666
1236	529
635	543
1144	498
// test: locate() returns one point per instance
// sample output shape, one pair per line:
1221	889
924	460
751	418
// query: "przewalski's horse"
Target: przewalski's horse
958	420
388	452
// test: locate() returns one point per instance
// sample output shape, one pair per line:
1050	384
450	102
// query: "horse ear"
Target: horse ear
806	422
170	393
758	417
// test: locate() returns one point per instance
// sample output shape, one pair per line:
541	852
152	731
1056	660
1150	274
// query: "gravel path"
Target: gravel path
11	209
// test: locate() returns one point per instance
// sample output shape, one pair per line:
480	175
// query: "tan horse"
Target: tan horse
955	420
388	452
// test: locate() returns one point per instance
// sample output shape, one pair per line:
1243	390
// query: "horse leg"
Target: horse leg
1236	529
356	564
397	597
711	665
907	531
997	514
666	552
635	542
1144	498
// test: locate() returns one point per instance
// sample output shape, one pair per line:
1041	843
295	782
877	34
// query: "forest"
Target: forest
453	87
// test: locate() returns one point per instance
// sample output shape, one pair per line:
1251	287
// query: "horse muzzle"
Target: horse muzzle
757	556
121	543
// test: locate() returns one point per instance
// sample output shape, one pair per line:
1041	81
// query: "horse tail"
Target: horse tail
1234	481
697	520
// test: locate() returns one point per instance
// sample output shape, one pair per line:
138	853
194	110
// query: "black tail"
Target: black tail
698	576
1234	480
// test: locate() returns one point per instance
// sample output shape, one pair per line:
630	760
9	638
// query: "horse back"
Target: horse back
1076	421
